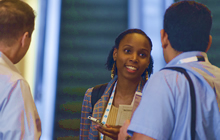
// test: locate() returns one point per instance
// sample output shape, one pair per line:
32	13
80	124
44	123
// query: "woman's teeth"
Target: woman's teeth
131	68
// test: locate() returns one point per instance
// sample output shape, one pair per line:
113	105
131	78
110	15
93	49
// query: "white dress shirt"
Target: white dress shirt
19	119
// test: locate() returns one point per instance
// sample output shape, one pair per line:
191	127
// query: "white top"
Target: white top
19	118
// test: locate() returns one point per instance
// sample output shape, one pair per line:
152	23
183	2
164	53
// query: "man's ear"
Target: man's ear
164	38
24	39
115	53
209	44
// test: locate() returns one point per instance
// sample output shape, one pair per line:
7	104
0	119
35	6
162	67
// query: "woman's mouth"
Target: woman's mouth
131	69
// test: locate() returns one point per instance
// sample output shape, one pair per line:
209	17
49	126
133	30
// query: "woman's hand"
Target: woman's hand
111	131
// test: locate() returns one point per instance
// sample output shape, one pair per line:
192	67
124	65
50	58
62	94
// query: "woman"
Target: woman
130	63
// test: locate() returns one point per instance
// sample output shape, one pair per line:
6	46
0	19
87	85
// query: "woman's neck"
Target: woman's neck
125	91
126	87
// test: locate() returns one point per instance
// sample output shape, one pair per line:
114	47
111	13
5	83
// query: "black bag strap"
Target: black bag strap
97	92
193	99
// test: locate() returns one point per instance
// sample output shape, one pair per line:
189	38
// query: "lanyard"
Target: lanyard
109	105
107	110
191	59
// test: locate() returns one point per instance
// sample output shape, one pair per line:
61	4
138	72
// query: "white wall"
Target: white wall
148	16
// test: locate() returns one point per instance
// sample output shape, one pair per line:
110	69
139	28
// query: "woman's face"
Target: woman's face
132	56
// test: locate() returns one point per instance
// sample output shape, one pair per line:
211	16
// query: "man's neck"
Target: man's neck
172	53
9	51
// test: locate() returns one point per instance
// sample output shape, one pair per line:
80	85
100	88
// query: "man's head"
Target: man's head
16	21
188	25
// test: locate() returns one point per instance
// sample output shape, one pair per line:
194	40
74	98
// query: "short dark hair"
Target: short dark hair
110	60
188	25
16	18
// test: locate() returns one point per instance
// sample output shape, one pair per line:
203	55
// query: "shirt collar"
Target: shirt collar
187	55
7	62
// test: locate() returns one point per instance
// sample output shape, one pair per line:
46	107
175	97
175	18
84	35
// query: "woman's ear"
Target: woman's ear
115	54
209	44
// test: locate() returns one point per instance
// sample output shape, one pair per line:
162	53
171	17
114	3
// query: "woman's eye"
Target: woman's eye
127	51
142	55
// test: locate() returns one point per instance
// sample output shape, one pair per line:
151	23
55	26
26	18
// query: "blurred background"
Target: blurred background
69	49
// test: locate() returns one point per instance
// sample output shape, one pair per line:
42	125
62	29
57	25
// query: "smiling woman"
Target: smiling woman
130	63
132	57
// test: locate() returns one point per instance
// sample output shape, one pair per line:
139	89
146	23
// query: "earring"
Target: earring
113	71
146	76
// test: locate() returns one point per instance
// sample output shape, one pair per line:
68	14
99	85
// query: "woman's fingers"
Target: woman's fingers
109	130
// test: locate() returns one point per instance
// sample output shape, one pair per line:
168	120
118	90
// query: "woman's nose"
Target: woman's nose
134	57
